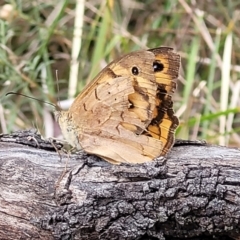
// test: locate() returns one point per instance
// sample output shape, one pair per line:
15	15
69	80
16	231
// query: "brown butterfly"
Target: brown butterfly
125	114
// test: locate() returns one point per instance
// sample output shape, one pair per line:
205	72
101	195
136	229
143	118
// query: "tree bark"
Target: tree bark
194	193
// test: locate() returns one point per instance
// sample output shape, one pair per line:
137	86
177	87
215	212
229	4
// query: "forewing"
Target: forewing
164	122
139	66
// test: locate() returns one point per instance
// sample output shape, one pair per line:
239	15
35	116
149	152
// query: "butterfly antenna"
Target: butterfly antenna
20	94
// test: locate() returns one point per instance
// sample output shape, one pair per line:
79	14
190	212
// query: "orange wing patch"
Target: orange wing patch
164	123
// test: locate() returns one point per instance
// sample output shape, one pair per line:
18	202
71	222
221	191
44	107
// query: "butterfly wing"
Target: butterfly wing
164	122
139	65
105	134
141	102
125	114
116	109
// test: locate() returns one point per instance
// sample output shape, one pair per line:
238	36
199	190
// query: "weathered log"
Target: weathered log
193	193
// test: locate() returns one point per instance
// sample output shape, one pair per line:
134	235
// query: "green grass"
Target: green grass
37	40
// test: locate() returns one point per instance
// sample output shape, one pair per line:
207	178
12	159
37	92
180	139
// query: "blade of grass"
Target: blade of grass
235	99
101	40
226	68
190	78
76	47
2	120
45	34
213	116
210	82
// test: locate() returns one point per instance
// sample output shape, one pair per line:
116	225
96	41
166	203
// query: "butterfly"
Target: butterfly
125	115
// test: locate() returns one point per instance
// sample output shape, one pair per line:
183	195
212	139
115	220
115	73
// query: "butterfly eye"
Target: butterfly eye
158	66
135	71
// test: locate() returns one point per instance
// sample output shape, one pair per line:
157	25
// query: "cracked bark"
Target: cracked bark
193	194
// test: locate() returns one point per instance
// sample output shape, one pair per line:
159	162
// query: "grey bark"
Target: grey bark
191	194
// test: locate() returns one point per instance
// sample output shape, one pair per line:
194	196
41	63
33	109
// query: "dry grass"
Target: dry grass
37	39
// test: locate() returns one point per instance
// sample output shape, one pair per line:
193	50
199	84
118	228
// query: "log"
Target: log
193	193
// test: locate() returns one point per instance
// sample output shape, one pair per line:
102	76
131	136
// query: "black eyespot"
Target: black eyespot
135	71
158	66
